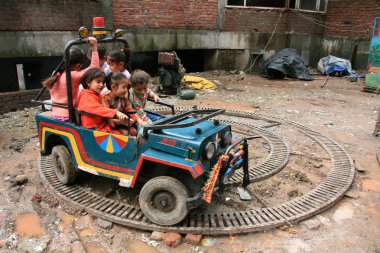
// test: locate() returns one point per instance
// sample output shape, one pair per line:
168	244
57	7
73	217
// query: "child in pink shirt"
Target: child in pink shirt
57	83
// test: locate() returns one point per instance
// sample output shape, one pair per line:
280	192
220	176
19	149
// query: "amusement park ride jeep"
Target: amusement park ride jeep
181	159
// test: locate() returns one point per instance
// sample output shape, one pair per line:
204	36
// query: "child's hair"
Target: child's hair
76	56
90	75
102	51
122	55
139	77
116	78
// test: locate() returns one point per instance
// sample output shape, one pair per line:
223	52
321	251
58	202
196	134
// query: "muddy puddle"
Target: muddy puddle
28	225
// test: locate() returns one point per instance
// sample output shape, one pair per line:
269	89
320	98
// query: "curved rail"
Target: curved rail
323	196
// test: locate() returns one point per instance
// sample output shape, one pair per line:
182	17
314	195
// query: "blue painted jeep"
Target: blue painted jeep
180	159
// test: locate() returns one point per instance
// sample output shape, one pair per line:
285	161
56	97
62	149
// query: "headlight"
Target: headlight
210	150
227	139
118	33
83	32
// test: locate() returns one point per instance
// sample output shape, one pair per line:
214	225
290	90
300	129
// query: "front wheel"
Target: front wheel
163	200
63	164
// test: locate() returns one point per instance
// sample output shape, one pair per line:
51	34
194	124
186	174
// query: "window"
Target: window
257	3
306	5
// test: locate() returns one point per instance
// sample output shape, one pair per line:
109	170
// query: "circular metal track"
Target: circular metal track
323	196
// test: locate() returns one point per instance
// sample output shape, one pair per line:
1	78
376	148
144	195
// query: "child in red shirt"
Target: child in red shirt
90	101
119	85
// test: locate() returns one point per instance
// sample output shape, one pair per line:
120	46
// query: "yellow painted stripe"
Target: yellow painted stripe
77	155
109	148
97	133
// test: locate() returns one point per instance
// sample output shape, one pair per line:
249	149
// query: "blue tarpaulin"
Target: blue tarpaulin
331	64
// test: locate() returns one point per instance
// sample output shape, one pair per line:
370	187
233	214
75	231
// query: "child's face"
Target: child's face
96	84
116	66
140	89
120	90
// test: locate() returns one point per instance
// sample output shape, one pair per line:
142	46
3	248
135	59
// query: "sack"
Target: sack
171	73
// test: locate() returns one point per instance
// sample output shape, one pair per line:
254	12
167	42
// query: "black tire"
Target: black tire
163	200
63	165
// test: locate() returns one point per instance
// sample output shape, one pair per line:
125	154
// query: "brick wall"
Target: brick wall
48	15
351	18
264	20
11	101
174	14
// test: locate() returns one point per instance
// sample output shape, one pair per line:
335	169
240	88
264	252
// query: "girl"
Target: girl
119	85
139	94
90	101
57	83
118	60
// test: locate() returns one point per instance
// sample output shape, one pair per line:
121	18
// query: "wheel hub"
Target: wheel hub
164	201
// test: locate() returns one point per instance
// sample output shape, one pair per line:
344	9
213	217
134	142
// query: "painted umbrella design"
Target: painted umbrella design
109	142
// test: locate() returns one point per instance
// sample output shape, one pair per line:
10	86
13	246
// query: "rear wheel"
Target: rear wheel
163	200
63	164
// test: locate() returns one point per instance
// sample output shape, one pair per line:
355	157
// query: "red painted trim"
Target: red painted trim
83	151
198	168
149	158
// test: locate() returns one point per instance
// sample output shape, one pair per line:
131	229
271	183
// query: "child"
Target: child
117	61
119	85
90	101
139	93
102	51
57	83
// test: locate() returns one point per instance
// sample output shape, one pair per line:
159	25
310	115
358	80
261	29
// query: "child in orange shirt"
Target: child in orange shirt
90	101
119	85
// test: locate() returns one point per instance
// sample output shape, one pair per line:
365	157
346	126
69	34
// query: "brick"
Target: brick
193	239
171	239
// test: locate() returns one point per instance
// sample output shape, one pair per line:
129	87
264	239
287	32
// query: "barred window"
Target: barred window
305	5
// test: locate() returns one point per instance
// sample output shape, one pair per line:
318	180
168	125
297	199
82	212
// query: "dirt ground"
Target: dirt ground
32	220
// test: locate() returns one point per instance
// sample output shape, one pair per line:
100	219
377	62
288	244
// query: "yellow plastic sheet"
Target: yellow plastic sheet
198	83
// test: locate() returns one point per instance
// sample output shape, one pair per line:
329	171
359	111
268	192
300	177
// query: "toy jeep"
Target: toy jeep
180	159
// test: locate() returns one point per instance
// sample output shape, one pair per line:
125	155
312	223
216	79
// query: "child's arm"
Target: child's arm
91	104
76	76
153	95
137	105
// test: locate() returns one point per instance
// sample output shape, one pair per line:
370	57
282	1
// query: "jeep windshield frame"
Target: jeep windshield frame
170	122
66	62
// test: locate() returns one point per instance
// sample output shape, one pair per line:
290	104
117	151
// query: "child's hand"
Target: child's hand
121	116
156	98
92	41
142	123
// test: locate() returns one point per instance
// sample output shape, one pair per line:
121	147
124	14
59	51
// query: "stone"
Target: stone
171	239
193	239
311	224
359	168
353	194
104	224
157	236
21	179
244	194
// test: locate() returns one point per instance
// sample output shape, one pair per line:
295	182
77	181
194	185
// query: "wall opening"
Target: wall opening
192	60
